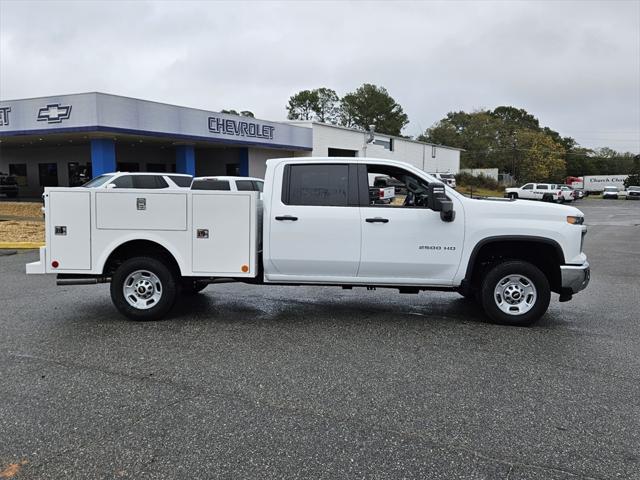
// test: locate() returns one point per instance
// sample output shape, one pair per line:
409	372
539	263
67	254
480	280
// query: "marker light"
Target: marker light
575	220
245	268
55	264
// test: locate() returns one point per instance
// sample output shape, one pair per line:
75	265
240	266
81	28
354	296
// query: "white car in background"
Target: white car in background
568	193
610	192
448	178
547	192
140	180
633	193
233	184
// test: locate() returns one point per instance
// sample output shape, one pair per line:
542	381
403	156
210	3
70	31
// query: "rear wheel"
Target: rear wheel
143	289
515	293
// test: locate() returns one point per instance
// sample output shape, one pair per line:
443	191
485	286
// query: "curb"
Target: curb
20	245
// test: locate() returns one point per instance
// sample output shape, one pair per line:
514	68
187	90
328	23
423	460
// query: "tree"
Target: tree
243	113
320	104
541	159
634	176
372	105
327	109
474	132
302	105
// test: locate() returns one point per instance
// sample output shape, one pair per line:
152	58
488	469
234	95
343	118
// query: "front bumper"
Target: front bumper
575	277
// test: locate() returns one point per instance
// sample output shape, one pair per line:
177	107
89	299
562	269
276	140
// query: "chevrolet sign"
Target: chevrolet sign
240	128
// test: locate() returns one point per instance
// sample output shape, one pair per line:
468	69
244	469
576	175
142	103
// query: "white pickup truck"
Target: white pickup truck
315	224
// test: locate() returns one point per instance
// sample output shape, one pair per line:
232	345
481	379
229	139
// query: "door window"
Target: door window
316	185
528	186
543	187
181	181
395	187
149	181
210	184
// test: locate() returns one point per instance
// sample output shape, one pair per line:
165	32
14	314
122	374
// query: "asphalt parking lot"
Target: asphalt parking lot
290	382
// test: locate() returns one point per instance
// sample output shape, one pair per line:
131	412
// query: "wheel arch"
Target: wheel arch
139	248
544	253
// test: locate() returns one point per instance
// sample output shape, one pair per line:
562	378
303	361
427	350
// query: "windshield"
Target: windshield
611	189
98	181
634	189
447	175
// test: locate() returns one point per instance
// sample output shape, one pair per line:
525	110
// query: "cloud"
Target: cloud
575	65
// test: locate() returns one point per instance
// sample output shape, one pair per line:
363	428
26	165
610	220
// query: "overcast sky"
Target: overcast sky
575	65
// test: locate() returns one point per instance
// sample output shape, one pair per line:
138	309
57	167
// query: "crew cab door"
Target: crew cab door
404	242
314	223
527	191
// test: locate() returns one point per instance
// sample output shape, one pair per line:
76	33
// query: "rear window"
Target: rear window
210	184
181	181
249	185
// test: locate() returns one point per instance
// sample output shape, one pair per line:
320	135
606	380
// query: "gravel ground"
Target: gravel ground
291	382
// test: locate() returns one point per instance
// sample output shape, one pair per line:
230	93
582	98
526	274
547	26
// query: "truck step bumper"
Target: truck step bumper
38	267
575	277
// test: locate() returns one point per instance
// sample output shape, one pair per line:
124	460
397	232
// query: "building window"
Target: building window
341	152
48	173
233	169
156	167
79	173
19	170
128	167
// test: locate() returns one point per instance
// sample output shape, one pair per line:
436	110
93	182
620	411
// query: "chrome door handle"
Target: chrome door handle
287	217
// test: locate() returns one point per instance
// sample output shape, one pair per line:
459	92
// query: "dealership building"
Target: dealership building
65	140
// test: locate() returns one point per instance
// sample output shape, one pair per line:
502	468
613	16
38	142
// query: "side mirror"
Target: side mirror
111	185
438	202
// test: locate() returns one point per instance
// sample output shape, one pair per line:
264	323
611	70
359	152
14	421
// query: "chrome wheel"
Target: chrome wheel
142	289
515	294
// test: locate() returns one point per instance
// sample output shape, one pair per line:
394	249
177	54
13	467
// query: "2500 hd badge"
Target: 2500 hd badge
435	247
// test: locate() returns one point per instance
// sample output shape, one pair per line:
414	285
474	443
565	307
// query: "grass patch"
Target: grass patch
21	209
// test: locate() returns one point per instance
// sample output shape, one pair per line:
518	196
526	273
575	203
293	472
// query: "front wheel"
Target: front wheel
143	289
513	196
515	293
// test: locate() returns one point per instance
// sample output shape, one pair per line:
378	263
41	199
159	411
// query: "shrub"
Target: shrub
480	181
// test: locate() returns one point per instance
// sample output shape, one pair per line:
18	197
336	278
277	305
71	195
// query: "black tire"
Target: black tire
167	287
530	272
190	286
513	196
547	197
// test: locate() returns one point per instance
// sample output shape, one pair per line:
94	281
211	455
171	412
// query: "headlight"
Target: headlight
575	220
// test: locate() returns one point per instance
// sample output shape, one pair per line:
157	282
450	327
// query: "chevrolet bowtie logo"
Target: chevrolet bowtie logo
54	113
